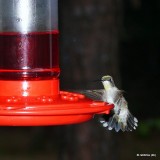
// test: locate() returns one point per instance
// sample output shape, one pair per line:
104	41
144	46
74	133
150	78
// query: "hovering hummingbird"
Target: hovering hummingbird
121	118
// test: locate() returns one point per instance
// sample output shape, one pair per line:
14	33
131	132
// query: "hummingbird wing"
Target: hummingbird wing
118	97
95	95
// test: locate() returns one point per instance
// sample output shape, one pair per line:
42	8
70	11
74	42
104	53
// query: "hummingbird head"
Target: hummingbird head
107	82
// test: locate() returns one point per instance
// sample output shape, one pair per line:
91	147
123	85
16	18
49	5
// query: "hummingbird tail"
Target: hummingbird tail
132	122
114	122
110	122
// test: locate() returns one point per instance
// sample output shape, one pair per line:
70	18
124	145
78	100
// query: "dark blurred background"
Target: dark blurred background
120	38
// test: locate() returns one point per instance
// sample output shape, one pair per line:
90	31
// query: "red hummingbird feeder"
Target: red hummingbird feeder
29	69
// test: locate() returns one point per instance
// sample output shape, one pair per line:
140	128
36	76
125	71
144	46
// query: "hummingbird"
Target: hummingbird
120	118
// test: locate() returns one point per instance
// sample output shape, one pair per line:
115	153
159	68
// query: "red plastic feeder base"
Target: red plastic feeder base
41	104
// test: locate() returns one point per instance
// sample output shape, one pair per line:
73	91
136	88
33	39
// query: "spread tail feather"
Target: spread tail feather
114	122
132	122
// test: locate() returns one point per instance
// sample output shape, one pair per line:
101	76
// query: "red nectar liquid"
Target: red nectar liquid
31	56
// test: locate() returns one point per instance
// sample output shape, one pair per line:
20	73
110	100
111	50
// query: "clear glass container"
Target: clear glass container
29	48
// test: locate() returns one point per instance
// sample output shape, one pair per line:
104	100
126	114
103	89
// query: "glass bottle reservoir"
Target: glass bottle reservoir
29	35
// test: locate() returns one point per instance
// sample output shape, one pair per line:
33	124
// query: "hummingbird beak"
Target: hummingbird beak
97	80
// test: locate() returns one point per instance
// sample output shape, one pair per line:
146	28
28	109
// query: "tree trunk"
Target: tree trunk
89	49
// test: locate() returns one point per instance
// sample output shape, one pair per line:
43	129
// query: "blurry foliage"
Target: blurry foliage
147	127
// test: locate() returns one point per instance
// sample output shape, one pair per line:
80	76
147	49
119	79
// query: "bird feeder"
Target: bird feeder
29	69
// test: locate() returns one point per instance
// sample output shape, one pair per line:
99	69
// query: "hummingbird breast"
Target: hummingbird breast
109	95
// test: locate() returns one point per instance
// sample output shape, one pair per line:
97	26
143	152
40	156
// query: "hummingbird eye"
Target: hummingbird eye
110	79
